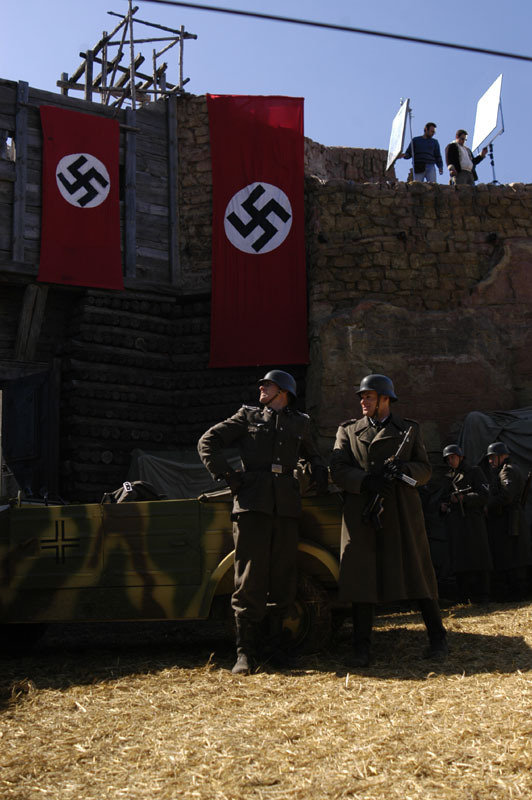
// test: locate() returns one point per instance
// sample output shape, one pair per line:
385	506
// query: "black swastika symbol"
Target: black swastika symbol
259	218
82	181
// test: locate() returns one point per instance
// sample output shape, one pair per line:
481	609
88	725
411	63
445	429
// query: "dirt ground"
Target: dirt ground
109	712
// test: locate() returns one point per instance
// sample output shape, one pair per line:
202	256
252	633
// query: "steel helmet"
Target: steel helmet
452	449
377	383
497	449
283	380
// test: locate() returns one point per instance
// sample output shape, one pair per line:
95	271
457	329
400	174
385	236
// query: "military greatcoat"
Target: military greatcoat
465	521
508	537
393	563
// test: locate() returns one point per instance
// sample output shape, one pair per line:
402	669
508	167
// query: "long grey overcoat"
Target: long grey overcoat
393	563
508	536
466	522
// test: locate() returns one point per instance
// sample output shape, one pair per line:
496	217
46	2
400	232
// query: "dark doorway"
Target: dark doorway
30	431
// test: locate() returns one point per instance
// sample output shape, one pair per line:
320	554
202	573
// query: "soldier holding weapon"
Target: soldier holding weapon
464	498
271	438
385	552
508	537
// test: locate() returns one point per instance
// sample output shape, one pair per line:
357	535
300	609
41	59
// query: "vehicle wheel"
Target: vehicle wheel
307	624
18	639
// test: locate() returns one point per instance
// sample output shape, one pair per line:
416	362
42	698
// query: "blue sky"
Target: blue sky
352	84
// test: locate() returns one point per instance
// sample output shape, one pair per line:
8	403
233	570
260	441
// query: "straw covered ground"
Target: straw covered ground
142	712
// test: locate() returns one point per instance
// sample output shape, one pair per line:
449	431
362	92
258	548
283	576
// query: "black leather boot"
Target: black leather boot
277	642
438	649
245	647
362	627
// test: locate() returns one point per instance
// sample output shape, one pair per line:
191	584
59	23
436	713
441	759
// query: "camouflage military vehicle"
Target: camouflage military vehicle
155	560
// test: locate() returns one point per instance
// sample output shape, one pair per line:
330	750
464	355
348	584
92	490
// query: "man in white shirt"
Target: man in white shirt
461	162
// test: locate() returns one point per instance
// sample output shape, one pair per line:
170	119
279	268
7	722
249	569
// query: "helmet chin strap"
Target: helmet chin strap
270	401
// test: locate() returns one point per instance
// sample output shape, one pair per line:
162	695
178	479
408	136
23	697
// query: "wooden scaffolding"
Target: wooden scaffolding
118	84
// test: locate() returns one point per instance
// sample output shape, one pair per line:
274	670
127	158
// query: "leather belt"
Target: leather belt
277	469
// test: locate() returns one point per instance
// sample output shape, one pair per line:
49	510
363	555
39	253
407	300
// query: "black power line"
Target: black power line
344	28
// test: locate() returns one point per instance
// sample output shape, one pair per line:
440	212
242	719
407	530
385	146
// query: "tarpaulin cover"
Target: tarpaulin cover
514	428
80	230
177	475
259	302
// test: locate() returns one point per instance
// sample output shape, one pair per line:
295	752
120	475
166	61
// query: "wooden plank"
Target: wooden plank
64	80
88	75
30	322
40	97
36	323
173	204
19	198
130	195
26	315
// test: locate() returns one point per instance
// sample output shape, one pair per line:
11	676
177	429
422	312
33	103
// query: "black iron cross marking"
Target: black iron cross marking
82	181
59	543
259	218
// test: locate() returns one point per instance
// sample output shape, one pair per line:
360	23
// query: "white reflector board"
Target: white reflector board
397	136
488	122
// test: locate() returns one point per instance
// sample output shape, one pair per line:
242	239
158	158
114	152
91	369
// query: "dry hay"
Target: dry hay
164	719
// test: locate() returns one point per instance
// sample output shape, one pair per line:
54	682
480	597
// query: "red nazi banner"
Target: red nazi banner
80	228
259	303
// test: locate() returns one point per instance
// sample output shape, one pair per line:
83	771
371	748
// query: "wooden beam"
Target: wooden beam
21	169
30	322
130	221
81	69
89	67
36	323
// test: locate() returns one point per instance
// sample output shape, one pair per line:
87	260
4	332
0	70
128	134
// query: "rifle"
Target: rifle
374	508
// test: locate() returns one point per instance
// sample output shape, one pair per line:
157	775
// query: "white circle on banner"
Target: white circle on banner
258	218
83	180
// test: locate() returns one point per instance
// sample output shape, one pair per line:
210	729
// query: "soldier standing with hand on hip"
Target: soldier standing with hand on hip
271	439
385	552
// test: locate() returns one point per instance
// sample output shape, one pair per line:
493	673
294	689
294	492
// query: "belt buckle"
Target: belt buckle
277	469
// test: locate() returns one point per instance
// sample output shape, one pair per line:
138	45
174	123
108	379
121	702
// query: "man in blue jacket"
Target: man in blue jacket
425	153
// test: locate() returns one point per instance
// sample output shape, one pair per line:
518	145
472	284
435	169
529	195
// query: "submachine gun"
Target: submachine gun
459	494
391	471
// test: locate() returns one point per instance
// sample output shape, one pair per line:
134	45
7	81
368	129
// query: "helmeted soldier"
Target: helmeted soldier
271	438
508	537
463	499
385	553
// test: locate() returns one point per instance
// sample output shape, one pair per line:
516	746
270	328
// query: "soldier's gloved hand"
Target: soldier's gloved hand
394	468
320	479
234	480
375	484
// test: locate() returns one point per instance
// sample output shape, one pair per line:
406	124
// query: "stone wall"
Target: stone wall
430	284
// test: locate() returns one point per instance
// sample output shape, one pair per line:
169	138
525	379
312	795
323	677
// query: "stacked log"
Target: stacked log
135	376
